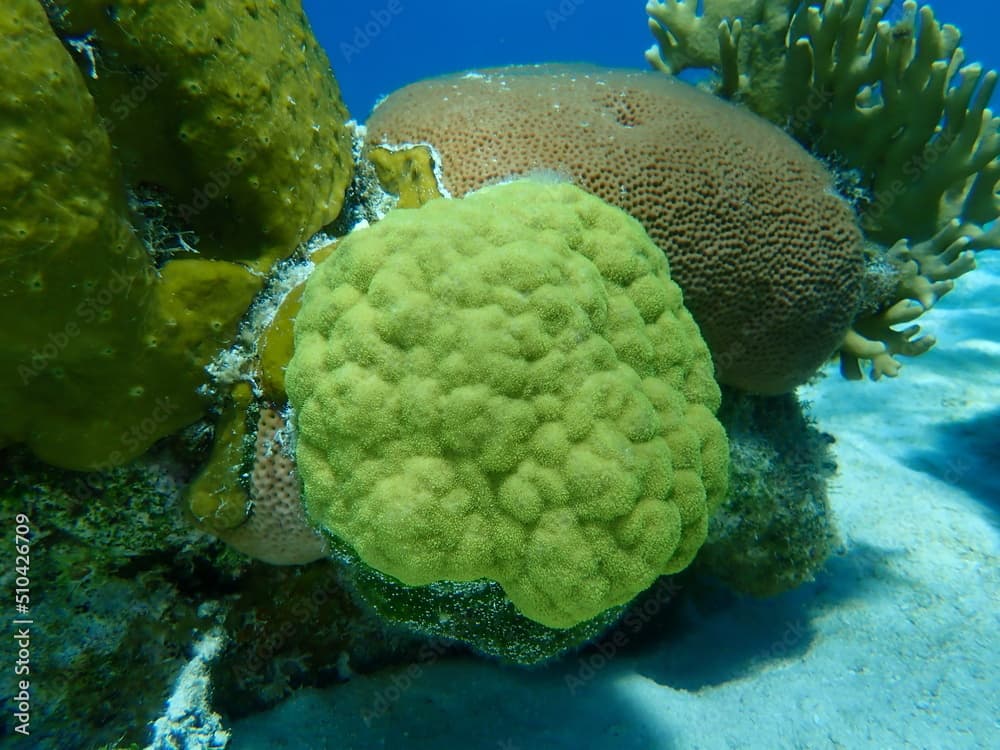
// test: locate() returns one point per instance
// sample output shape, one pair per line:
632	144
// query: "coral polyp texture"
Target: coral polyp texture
768	256
179	127
508	387
276	529
228	108
102	351
894	106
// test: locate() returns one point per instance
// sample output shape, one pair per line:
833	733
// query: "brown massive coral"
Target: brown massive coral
768	255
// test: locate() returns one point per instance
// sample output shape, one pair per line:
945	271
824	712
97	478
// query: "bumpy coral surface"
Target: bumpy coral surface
181	127
276	529
228	108
508	387
768	256
101	353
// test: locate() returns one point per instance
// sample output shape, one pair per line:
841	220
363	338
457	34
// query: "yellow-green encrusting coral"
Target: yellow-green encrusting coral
218	498
229	108
100	352
892	105
106	336
508	387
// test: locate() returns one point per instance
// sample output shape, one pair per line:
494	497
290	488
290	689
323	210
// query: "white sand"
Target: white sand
896	645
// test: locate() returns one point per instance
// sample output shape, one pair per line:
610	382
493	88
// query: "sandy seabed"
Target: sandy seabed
896	645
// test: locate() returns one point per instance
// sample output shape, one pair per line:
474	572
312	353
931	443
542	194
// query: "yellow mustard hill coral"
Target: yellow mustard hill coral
218	497
407	173
101	353
508	387
228	109
275	344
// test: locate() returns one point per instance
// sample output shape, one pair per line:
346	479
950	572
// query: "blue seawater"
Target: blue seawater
377	46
